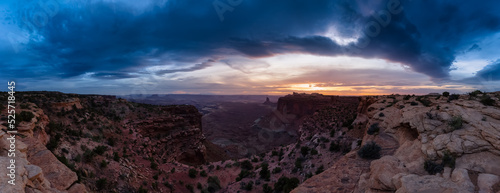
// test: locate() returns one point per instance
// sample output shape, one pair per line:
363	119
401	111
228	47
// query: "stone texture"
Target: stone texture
382	171
485	182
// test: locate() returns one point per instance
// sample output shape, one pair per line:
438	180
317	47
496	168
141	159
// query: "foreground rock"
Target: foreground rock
464	132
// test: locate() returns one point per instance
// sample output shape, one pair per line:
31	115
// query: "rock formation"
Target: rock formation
458	140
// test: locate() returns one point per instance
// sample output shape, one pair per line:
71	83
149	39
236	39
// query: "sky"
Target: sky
339	47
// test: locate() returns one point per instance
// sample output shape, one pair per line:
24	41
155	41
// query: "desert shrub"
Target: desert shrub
332	133
65	161
25	116
243	174
298	163
101	183
277	170
413	103
266	188
320	169
213	184
407	97
334	147
453	97
285	184
264	172
203	173
100	149
116	157
111	141
54	142
199	186
381	114
455	122
487	101
432	167
475	93
426	102
248	186
304	150
370	151
190	187
374	128
247	165
446	94
104	164
274	153
192	173
448	160
88	156
314	152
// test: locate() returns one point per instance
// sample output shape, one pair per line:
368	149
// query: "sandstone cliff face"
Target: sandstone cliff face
414	130
180	134
37	169
80	143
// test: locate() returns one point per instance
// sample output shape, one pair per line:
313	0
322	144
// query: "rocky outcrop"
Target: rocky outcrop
427	128
41	172
181	135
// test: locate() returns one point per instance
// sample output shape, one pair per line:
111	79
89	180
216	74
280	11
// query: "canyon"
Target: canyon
301	143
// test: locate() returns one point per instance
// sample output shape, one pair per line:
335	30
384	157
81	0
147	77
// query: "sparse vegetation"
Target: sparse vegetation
304	150
334	147
25	116
243	174
101	183
248	186
487	101
432	167
103	164
475	93
370	151
453	97
320	169
374	128
276	170
264	172
448	160
192	173
446	94
99	150
455	123
213	184
190	187
266	188
285	184
247	165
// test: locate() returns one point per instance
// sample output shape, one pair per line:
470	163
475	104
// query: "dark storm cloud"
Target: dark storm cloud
199	66
490	72
111	37
113	75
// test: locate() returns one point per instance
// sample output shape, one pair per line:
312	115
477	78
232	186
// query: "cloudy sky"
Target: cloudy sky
345	47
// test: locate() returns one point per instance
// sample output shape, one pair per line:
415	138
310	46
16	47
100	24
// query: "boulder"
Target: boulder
485	182
382	171
77	188
60	176
33	171
431	184
483	162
